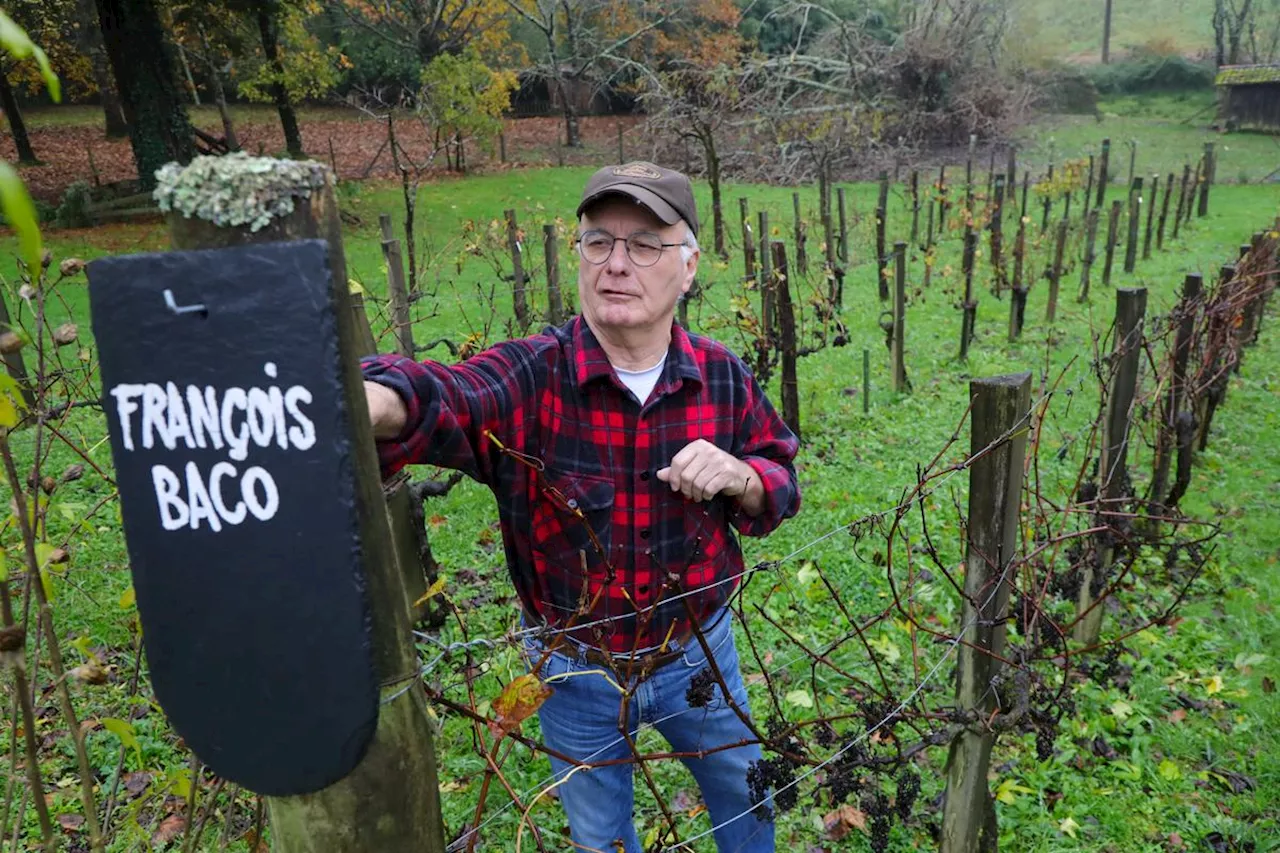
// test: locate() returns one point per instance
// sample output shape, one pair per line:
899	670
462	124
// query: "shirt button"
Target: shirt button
644	534
573	504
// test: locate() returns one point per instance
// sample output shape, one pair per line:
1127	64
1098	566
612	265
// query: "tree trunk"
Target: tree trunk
1106	33
89	41
159	129
26	155
268	28
713	176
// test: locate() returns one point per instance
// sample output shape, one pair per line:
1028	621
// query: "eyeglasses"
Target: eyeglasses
643	248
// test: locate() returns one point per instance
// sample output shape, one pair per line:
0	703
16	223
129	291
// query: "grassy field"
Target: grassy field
1074	30
1203	775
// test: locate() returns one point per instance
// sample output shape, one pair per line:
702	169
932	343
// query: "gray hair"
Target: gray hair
690	244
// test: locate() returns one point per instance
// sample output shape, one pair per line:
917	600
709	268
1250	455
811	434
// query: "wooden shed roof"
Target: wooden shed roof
1247	75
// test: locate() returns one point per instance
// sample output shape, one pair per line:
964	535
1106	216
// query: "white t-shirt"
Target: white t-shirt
641	382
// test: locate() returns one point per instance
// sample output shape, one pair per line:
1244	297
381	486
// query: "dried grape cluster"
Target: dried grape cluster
702	689
876	805
774	774
908	791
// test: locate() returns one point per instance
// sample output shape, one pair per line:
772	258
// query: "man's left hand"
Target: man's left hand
701	471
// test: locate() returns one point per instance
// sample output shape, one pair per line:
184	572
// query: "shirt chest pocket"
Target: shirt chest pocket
572	516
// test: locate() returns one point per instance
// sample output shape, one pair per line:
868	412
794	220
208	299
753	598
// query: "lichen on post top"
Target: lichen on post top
236	189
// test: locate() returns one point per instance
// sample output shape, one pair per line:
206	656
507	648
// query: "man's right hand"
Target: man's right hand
386	410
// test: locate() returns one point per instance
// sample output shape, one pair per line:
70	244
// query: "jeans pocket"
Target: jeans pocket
721	633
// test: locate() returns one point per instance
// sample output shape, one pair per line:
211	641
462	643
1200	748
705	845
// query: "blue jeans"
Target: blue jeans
582	720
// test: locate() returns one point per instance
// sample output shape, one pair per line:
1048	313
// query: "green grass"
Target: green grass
1163	780
1074	30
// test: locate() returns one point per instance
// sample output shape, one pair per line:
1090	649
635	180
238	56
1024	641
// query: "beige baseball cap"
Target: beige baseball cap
666	192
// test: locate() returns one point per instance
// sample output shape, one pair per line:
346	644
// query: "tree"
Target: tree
159	129
18	127
1231	19
464	98
89	43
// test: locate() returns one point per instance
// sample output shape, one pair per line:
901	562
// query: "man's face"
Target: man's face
619	295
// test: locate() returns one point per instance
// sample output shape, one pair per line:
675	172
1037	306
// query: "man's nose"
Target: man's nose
619	261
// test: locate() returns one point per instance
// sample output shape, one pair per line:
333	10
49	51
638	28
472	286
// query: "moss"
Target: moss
237	189
1244	75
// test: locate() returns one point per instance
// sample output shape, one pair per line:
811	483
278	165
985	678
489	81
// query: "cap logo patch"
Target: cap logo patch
637	170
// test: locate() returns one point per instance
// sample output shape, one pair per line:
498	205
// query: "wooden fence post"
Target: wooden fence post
1151	210
1182	199
802	257
1135	220
1103	177
900	384
787	324
502	148
834	272
1197	176
551	253
767	295
519	294
882	257
915	206
1207	179
942	198
1011	170
1090	255
1088	189
1055	273
1113	225
1213	397
748	242
391	800
1048	203
997	235
866	381
399	298
1131	305
844	226
1018	296
969	307
999	441
1168	416
1164	212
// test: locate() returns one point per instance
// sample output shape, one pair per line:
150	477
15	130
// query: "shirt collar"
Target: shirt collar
591	362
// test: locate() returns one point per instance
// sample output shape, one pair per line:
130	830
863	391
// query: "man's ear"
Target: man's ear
690	271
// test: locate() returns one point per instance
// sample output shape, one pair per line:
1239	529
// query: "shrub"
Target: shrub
1150	72
73	209
1063	88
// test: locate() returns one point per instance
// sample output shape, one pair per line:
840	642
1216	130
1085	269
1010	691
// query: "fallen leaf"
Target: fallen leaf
436	520
1175	841
1068	826
436	589
70	822
1268	686
170	828
800	698
136	783
839	823
1178	716
519	700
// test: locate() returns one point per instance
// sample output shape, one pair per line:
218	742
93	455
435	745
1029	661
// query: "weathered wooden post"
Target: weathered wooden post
1185	313
1090	255
844	226
1113	226
1216	393
942	198
551	255
1133	158
1011	170
969	307
399	297
748	242
768	295
1048	202
1018	296
1135	220
519	289
787	324
502	148
802	256
1103	177
1196	177
1207	176
915	206
1131	306
866	381
1164	212
834	271
1151	210
1000	414
968	177
997	236
1182	199
882	252
900	384
389	800
1088	189
1055	272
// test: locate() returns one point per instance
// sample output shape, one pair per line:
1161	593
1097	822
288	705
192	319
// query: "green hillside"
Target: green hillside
1074	30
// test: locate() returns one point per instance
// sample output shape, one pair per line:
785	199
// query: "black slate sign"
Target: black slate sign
221	387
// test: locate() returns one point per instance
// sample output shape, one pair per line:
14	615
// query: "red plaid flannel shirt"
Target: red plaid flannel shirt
588	485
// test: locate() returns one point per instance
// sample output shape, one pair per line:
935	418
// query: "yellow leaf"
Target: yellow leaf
1008	790
128	599
436	589
800	698
1121	710
519	700
1213	685
1068	826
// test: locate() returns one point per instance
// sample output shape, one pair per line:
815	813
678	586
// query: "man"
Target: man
621	450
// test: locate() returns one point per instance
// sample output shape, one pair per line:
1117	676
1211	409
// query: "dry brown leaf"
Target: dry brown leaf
170	828
70	822
839	823
519	700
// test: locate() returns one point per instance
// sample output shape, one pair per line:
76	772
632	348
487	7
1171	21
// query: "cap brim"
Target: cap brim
661	209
